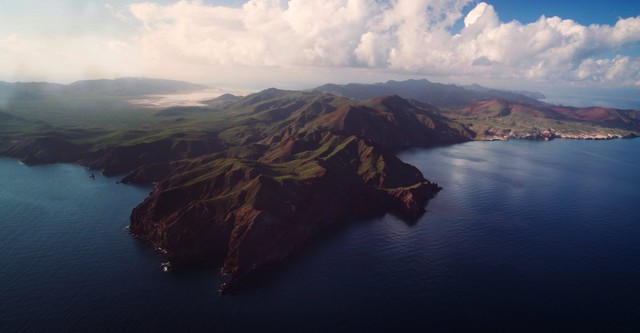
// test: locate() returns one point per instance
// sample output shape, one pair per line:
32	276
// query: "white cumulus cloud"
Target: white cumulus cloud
314	41
408	36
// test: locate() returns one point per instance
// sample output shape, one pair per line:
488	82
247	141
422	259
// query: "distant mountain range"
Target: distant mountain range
118	87
437	94
493	114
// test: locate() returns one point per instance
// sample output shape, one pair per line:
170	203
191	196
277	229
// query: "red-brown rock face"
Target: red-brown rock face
246	216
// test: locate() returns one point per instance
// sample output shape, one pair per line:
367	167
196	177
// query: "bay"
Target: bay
525	236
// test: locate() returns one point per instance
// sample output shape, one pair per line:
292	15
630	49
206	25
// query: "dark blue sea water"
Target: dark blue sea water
525	236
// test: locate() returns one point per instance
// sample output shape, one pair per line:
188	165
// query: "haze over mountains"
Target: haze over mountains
116	87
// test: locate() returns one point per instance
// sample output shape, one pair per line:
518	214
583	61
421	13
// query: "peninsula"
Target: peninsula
244	182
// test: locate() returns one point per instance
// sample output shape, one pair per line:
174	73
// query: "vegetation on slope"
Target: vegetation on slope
245	182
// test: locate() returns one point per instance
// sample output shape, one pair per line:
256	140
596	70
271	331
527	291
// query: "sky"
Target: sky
579	51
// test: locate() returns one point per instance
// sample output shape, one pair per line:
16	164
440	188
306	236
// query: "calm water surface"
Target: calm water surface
525	236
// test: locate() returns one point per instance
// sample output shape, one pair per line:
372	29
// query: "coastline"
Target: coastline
236	277
247	184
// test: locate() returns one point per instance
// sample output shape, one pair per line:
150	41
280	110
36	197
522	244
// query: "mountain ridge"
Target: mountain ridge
437	94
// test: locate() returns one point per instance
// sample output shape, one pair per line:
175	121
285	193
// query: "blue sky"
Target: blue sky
578	48
584	12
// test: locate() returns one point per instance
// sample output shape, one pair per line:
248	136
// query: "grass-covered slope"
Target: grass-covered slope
296	163
244	183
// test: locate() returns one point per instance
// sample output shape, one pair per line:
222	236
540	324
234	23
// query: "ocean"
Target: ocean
525	236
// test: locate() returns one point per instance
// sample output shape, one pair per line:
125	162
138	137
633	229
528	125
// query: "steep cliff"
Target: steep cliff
310	163
246	215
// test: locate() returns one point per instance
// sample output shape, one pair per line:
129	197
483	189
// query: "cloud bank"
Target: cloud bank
302	43
427	37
